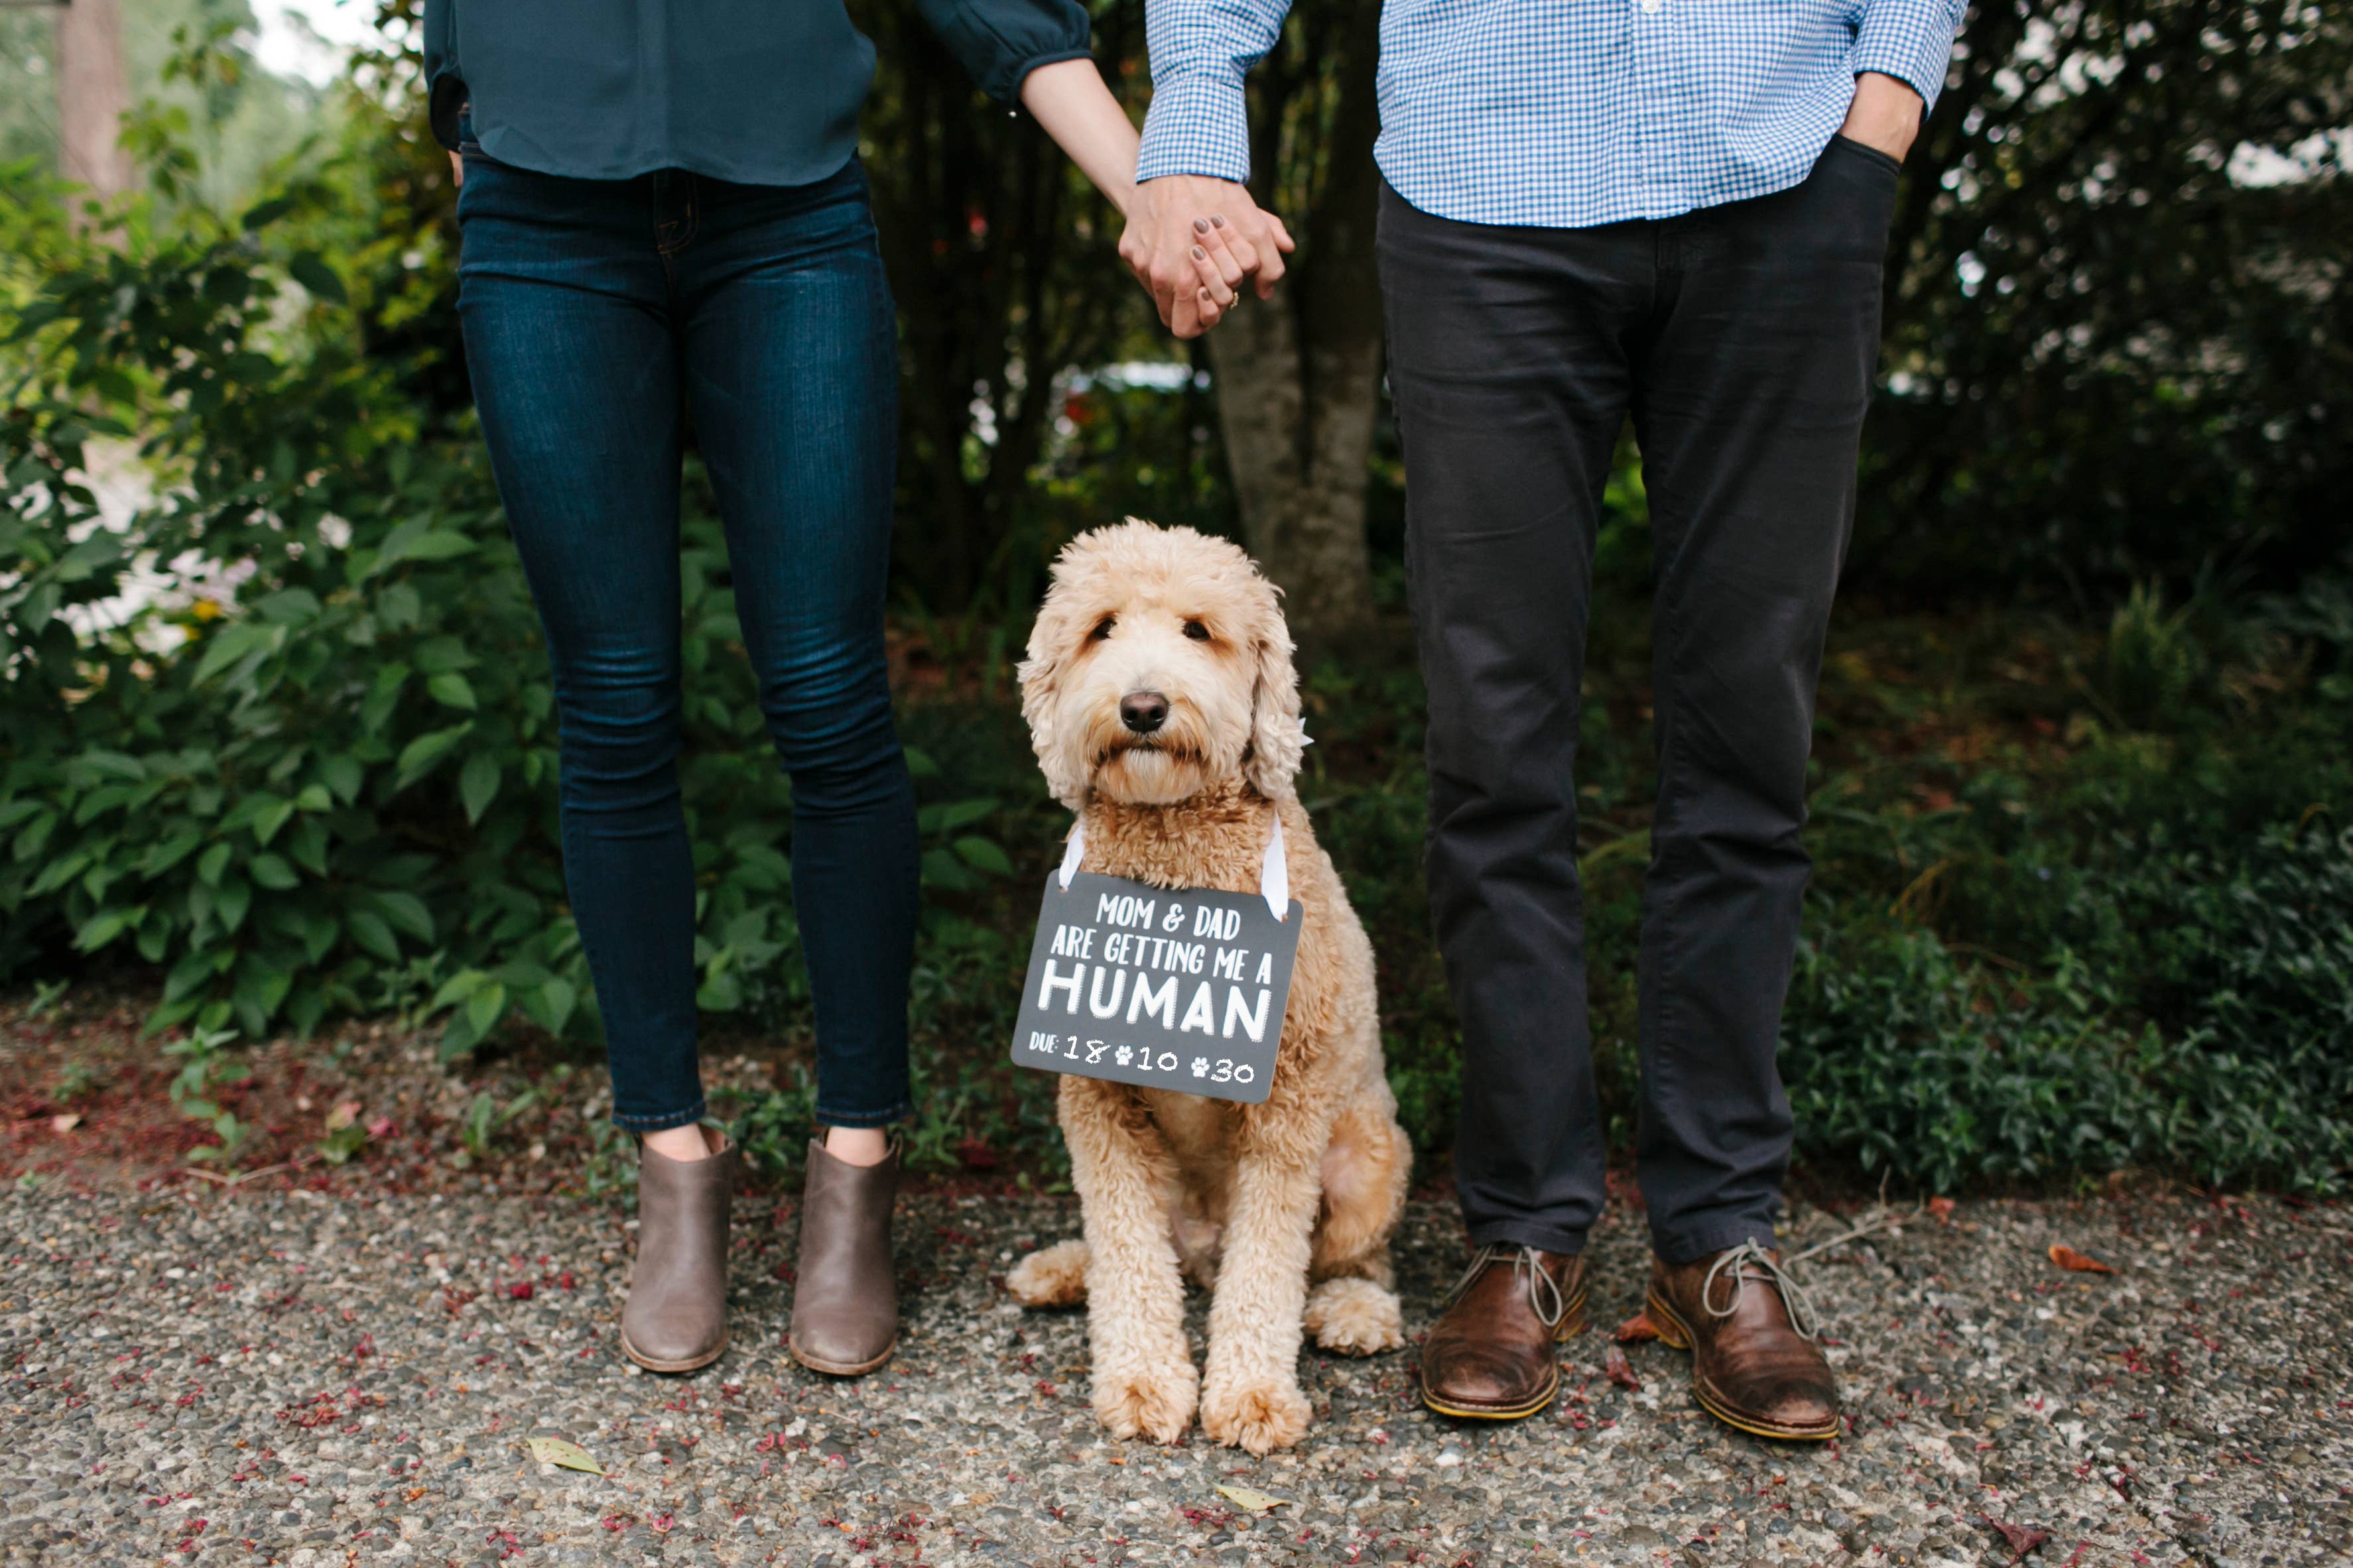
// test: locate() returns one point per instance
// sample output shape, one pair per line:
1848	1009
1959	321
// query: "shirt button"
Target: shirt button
1649	7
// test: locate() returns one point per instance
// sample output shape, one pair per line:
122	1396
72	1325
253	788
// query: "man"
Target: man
1675	210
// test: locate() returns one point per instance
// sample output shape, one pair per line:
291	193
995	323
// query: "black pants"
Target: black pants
1742	339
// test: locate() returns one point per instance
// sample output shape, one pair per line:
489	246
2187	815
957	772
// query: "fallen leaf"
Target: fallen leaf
382	1127
2022	1539
1256	1501
65	1123
1614	1367
570	1456
1942	1209
2066	1257
345	1113
1636	1329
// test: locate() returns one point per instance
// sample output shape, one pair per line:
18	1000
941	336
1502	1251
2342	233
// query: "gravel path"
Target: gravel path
196	1376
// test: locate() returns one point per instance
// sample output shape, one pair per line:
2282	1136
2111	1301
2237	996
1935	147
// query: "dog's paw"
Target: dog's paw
1355	1317
1052	1276
1259	1416
1148	1402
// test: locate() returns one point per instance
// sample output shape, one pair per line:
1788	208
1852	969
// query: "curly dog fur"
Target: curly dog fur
1283	1209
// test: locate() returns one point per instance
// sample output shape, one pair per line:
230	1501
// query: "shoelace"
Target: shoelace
1739	1260
1541	1286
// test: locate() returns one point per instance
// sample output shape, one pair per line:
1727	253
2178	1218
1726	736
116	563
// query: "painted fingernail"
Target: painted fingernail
1198	253
1200	226
1218	220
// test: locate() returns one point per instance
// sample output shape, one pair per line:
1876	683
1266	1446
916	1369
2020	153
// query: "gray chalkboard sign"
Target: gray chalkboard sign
1177	989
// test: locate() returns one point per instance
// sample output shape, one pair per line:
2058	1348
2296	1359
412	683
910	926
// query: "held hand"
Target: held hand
1194	243
1885	115
457	171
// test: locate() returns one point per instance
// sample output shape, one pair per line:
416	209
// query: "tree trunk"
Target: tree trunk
91	96
1299	380
1298	421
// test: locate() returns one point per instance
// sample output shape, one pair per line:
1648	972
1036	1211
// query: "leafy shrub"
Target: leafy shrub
2099	379
2321	610
2259	955
314	772
2100	959
2152	660
2200	1020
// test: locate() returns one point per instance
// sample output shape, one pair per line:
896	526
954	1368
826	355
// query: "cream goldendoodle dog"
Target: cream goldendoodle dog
1162	701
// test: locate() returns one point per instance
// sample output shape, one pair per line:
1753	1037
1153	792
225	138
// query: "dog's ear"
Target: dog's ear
1275	746
1052	640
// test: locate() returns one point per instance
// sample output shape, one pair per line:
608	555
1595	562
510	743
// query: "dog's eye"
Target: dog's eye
1102	628
1196	631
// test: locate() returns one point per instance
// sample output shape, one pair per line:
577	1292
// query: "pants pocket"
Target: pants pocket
1842	141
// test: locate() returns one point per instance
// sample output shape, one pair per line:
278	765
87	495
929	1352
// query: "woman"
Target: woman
662	211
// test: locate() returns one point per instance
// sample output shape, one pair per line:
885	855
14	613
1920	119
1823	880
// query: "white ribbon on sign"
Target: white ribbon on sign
1274	871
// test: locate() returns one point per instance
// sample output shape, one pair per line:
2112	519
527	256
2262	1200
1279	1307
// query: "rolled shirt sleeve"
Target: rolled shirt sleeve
1911	40
444	88
1000	42
1198	122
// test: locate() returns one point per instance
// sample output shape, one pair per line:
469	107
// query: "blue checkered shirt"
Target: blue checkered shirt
1563	113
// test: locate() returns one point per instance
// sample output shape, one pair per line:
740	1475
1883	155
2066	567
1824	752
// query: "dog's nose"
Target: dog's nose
1143	712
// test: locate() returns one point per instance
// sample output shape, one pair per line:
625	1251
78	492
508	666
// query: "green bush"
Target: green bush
2088	963
2153	662
2205	1030
2140	957
314	773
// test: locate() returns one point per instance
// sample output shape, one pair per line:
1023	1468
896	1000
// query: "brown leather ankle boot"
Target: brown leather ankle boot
1492	1352
845	1300
1751	1332
676	1316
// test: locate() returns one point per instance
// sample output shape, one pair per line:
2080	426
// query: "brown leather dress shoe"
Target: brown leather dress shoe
1751	1332
676	1319
1490	1355
845	1300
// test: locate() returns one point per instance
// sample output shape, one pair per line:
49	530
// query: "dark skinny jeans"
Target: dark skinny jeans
596	313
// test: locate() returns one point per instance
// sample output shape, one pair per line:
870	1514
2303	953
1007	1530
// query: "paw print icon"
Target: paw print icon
1120	1054
1200	1067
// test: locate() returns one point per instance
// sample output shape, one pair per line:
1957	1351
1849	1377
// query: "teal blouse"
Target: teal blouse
762	93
